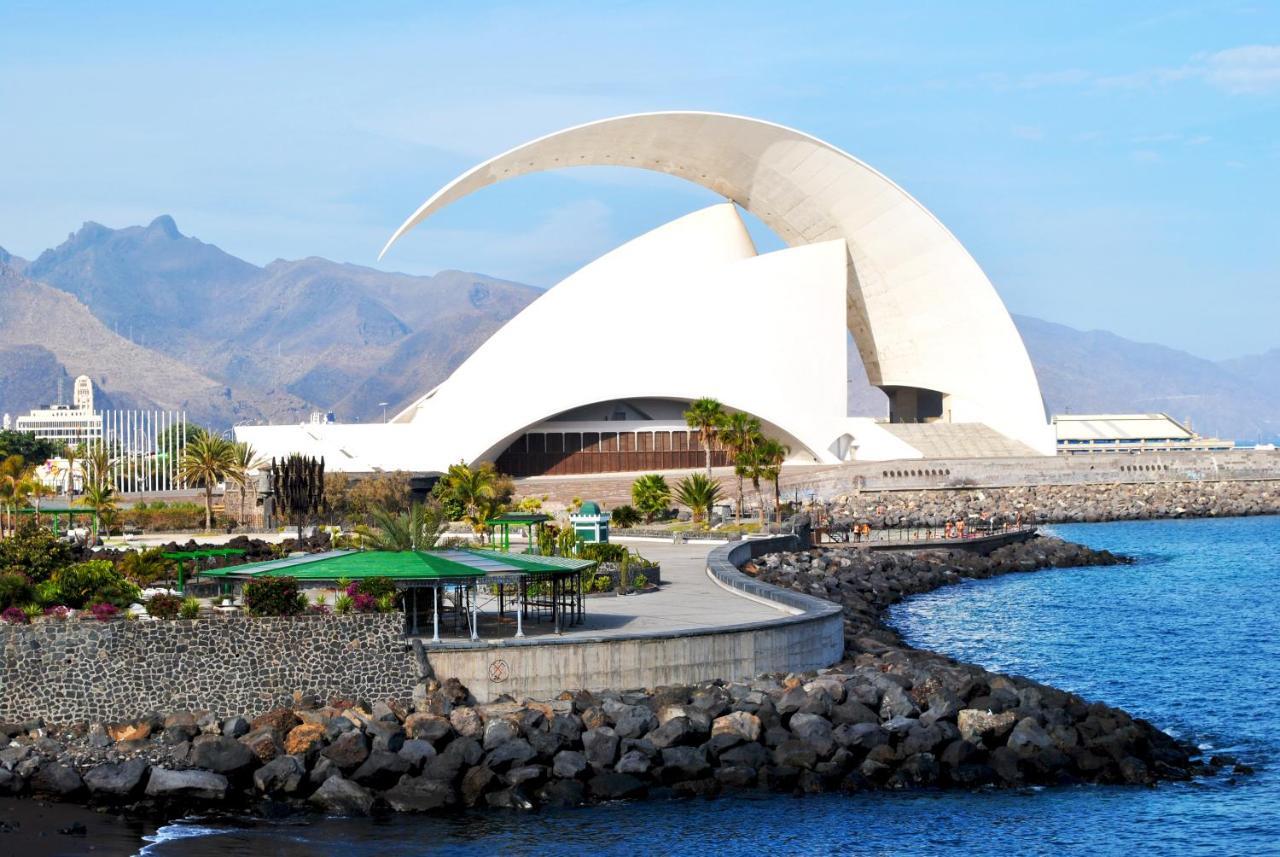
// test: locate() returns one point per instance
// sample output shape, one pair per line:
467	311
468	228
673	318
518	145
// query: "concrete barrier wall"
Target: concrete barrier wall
810	638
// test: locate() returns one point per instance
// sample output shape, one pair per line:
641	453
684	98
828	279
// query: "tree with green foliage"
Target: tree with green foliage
92	582
705	416
418	529
33	449
650	494
740	434
100	497
478	491
699	493
210	458
297	484
14	483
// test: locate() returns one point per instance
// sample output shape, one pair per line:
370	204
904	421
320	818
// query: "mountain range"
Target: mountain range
162	319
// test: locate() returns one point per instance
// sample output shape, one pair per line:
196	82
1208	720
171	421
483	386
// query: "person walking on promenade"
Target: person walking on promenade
960	528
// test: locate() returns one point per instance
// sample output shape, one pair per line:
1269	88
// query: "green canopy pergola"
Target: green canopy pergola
463	569
194	558
531	521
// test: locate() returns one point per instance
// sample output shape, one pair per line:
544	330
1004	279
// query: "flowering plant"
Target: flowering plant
14	616
60	612
365	603
102	611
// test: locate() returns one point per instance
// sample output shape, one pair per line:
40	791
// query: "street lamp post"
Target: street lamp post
384	410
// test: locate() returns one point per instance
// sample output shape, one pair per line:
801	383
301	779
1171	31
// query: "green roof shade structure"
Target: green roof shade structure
461	568
529	520
194	557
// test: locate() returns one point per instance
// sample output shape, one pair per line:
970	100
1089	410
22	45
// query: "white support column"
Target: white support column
475	615
435	614
520	588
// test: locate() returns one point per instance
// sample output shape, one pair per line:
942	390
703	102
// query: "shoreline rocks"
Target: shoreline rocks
887	718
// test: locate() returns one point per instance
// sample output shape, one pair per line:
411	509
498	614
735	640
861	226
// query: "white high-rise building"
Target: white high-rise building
75	424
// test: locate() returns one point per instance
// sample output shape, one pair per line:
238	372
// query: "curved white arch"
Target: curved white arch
922	312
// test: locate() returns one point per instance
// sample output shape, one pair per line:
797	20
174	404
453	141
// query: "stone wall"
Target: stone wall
1038	504
86	670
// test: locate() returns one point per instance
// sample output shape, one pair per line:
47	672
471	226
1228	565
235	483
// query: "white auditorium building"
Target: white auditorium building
863	258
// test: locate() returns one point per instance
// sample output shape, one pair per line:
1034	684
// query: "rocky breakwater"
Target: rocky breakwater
1058	503
922	718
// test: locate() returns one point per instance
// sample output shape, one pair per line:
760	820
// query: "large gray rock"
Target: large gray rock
615	786
815	731
416	752
984	728
57	780
116	778
340	796
633	762
1028	738
195	785
569	764
220	754
419	794
741	724
683	763
498	732
349	751
676	731
600	746
630	721
381	770
283	774
512	753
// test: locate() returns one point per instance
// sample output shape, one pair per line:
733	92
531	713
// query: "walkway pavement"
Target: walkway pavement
688	599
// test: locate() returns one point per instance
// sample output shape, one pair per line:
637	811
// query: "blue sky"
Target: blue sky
1110	165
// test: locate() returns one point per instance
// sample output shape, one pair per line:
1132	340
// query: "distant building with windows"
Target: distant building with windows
1090	433
75	424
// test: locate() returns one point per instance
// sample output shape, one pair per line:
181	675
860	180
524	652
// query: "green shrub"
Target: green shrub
164	606
639	581
48	593
343	605
145	567
602	552
624	516
190	608
97	581
35	552
272	596
15	589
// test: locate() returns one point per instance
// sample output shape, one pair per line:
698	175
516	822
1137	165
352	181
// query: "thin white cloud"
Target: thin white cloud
1251	69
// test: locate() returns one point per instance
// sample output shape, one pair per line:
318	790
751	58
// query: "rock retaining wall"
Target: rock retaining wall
77	671
1059	503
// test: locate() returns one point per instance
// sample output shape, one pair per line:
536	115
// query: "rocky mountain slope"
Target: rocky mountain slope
48	334
324	335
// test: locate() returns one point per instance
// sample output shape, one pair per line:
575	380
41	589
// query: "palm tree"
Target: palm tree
772	453
650	494
418	529
99	465
72	455
100	497
474	489
247	461
740	434
699	493
209	459
13	470
705	416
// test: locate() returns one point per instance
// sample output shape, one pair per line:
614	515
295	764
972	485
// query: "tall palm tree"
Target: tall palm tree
474	489
13	471
772	453
72	455
740	434
209	459
705	416
247	462
699	493
100	497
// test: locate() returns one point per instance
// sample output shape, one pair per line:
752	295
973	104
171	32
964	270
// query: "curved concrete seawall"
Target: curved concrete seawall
806	633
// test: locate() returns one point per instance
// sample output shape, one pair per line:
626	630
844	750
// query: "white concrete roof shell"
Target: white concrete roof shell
1119	427
920	308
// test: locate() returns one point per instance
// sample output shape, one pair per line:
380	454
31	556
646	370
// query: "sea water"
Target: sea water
1188	638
